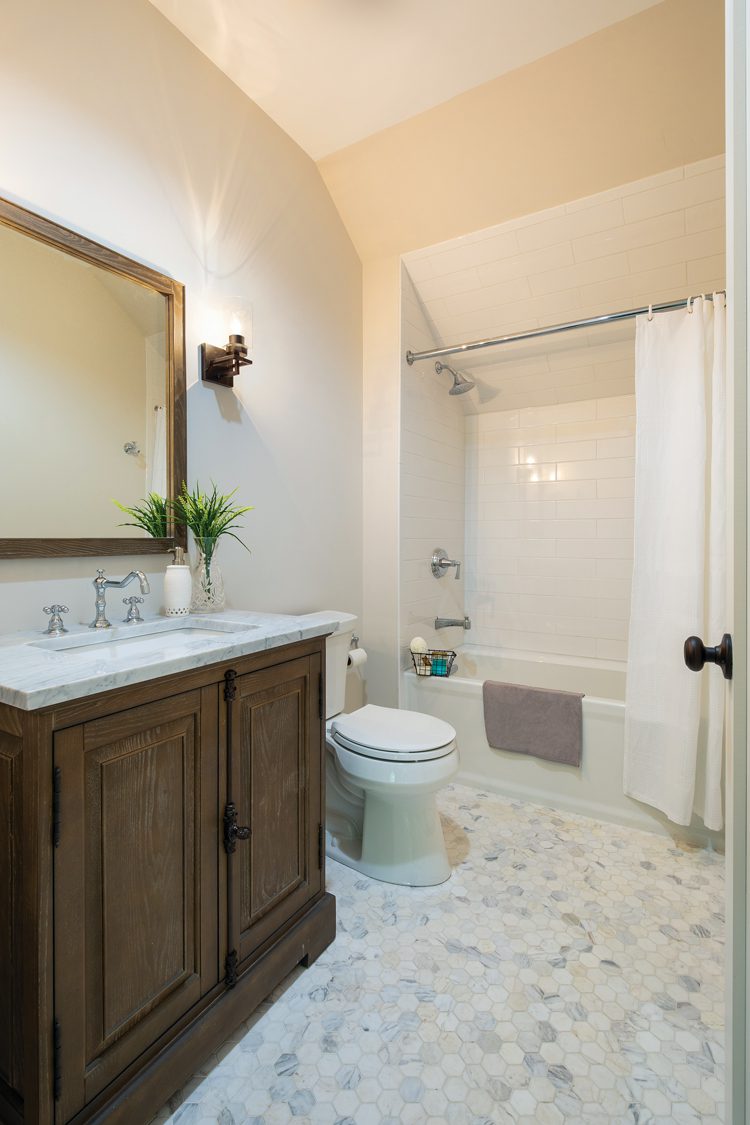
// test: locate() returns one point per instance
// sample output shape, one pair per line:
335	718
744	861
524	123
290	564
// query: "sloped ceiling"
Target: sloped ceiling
335	71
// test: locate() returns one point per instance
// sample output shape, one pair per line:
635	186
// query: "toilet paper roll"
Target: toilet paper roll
357	657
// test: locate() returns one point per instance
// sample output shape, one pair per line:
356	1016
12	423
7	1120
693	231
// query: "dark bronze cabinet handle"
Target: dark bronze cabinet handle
696	655
232	831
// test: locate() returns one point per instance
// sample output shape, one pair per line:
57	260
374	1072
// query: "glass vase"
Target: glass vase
208	583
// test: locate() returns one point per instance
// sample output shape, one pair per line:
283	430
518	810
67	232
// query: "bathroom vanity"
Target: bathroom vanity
161	852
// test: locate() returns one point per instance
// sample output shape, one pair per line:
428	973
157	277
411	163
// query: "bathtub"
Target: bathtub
593	790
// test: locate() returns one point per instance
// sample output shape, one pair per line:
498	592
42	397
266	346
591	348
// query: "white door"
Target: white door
738	854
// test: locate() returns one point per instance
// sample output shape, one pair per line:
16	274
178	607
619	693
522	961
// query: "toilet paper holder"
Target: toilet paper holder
357	656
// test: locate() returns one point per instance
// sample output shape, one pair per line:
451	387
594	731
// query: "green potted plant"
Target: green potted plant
209	516
152	514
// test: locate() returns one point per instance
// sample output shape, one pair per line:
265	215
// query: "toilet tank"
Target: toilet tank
337	651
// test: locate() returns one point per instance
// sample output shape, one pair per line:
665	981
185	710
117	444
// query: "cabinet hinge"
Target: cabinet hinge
56	1066
321	712
230	968
321	844
56	787
230	686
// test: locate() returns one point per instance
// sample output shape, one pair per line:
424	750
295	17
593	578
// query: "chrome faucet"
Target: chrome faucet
101	584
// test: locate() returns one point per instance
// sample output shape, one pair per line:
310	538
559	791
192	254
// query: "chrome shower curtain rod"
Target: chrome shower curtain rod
553	329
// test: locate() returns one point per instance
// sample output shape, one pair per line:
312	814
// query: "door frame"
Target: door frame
738	842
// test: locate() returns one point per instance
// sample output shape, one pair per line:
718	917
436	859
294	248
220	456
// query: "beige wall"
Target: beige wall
121	129
641	97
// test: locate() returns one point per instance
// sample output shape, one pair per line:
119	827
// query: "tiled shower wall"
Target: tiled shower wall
549	451
432	488
549	534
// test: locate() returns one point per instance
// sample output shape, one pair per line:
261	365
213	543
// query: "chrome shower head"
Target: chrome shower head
460	383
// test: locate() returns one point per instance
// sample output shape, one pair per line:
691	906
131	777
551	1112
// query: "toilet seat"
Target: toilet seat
392	735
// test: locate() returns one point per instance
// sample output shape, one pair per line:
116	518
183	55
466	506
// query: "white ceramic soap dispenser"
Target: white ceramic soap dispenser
178	586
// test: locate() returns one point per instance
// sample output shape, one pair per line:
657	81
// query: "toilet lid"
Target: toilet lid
392	731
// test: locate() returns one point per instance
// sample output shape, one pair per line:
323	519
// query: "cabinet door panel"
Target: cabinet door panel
129	886
276	778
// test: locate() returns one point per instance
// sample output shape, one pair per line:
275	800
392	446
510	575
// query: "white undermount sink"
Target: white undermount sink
134	642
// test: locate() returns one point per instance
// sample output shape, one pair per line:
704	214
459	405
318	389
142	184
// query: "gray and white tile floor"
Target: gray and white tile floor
569	971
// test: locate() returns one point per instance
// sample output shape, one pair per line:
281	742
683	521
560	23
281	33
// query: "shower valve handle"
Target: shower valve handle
696	655
440	562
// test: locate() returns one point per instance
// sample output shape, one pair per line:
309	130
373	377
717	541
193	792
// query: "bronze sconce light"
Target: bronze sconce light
220	365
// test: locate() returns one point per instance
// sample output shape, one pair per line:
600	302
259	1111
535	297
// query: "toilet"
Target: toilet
384	768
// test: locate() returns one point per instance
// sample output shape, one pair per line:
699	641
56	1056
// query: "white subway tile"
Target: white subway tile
555	567
422	508
527	435
674	197
630	236
432	489
544	454
415	465
560	490
600	428
621	406
449	284
561	529
599	628
608	448
614	568
557	606
704	269
595	549
597	469
618	609
452	259
595	509
614	529
593	272
710	164
552	415
576	224
665	252
524	265
615	487
705	216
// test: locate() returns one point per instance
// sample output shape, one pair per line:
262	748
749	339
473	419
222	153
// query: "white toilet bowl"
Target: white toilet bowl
383	770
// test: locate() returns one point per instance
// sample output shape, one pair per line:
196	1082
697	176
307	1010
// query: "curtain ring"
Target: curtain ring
650	312
690	304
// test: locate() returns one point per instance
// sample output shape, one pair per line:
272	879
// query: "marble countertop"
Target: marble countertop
38	671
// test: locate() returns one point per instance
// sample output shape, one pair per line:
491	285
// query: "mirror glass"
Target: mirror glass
88	377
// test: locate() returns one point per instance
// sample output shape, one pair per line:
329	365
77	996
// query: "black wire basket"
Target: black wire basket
434	662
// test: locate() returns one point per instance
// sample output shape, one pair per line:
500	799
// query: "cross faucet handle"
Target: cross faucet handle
133	616
55	627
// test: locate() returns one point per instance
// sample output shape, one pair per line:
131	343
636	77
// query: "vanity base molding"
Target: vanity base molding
139	934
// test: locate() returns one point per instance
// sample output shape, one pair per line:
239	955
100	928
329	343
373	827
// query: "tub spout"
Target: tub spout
448	622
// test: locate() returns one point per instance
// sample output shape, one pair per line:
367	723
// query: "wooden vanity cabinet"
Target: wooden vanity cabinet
161	870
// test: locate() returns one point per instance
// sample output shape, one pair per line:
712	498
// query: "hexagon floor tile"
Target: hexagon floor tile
569	971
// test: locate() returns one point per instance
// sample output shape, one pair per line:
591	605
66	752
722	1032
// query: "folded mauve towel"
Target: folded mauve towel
547	724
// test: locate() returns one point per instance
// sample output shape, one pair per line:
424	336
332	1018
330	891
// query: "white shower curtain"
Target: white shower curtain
679	572
156	473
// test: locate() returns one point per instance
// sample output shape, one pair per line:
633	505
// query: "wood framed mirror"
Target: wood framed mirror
92	371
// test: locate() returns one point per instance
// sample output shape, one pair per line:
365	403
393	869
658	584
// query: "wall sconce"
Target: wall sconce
219	365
